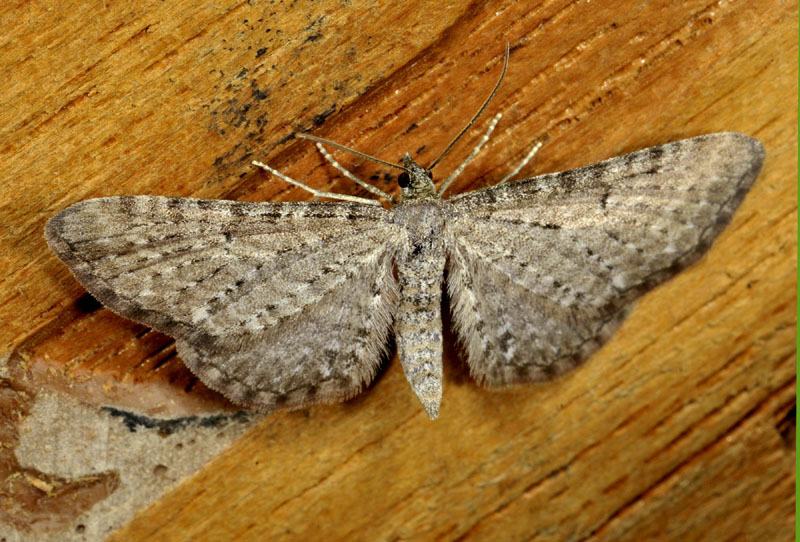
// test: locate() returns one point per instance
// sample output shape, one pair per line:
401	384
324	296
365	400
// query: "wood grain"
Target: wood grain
680	428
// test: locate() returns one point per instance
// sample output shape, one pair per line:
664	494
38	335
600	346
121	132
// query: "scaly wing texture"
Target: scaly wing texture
542	271
274	305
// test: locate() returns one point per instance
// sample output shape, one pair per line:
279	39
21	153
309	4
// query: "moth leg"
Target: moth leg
366	186
528	157
315	192
472	155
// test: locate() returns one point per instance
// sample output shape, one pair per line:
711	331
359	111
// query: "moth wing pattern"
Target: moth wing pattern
276	305
542	271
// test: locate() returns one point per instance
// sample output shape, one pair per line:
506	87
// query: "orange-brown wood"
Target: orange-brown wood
680	428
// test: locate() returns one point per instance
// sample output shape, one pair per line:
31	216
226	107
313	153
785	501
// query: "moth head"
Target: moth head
416	181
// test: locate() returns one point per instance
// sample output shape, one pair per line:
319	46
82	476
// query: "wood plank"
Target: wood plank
676	430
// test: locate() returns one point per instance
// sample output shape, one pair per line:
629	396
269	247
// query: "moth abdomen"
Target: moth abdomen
420	261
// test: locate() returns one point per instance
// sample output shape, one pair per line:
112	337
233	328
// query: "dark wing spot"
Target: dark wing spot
604	200
505	341
655	155
549	370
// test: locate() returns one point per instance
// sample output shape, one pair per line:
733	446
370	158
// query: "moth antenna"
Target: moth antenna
351	151
478	114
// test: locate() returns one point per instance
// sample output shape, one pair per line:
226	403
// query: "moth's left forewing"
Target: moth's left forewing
276	305
542	271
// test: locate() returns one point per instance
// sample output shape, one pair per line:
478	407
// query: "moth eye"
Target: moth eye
403	180
429	173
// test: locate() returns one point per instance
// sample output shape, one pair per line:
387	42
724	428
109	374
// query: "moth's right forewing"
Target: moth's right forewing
573	250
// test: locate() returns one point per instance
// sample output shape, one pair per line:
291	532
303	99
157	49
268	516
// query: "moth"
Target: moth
284	305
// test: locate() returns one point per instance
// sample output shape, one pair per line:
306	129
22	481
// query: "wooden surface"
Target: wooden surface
680	428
